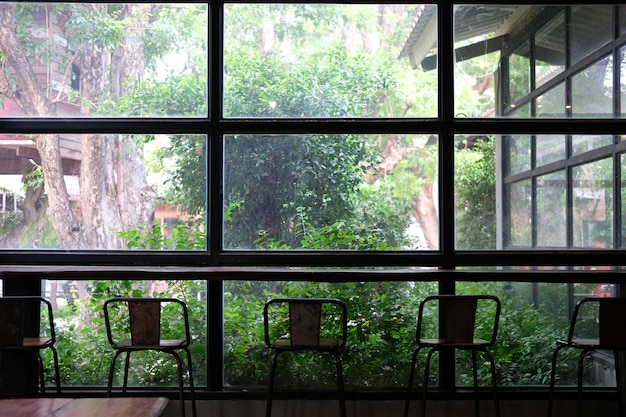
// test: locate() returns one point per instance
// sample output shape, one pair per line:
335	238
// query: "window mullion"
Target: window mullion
215	304
446	63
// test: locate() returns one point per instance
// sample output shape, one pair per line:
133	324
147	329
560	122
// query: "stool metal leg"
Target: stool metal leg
111	372
553	380
410	384
181	393
126	368
426	375
494	383
270	388
342	399
191	386
579	396
475	375
57	377
618	384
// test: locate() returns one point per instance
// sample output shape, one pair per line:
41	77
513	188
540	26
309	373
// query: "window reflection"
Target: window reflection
593	204
590	28
551	210
550	50
519	195
592	90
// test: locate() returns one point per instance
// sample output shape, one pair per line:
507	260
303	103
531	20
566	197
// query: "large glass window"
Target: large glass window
81	339
319	135
316	192
322	60
104	190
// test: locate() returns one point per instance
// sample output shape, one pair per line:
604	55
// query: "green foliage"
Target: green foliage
314	175
85	353
381	330
35	178
182	95
180	236
475	187
9	222
183	161
526	337
310	191
38	234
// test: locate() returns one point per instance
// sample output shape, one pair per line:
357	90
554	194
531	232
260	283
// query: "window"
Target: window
319	135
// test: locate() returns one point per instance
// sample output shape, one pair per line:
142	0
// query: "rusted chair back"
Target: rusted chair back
305	323
455	318
599	321
145	323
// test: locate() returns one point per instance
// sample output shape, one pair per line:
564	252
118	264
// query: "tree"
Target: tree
118	48
476	196
291	66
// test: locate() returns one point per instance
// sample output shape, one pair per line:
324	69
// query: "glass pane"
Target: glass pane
474	82
142	191
622	19
551	210
622	188
102	60
381	334
518	153
593	204
535	315
81	333
592	90
591	27
521	111
584	143
623	80
550	50
360	192
475	191
550	148
520	213
478	42
519	70
552	103
328	60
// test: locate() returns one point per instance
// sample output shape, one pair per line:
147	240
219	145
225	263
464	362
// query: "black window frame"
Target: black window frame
447	258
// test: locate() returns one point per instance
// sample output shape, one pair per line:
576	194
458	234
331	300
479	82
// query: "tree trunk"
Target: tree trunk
66	225
423	206
134	196
29	96
425	212
98	205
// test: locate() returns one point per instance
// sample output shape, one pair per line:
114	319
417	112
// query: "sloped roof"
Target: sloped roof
469	21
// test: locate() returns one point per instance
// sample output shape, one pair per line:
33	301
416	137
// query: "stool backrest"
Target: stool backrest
305	322
25	316
459	318
145	322
600	318
11	322
142	321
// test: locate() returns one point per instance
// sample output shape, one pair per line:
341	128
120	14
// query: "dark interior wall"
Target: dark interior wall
18	370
